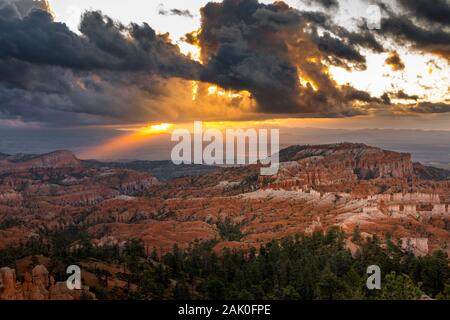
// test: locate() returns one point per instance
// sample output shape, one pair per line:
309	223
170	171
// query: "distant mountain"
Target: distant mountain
163	170
430	173
23	162
366	161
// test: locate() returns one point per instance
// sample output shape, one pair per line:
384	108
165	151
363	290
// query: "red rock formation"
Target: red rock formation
355	168
37	285
119	204
368	162
159	235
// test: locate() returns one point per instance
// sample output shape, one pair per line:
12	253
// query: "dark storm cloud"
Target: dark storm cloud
326	3
144	50
60	97
339	50
8	10
21	8
264	49
395	62
430	38
430	107
363	39
352	94
37	39
436	11
50	74
354	40
113	73
23	75
400	94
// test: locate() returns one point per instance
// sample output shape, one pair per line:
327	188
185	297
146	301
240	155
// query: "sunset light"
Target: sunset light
224	150
157	128
133	138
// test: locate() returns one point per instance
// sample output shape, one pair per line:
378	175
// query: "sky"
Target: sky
432	84
122	66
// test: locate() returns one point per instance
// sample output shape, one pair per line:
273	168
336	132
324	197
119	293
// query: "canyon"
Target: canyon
345	185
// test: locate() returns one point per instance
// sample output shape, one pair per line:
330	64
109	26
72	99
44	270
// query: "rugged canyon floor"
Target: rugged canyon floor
350	186
346	185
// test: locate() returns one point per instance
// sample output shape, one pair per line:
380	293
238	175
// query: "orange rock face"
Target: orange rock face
339	166
159	235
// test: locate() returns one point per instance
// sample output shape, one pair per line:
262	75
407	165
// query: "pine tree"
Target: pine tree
399	287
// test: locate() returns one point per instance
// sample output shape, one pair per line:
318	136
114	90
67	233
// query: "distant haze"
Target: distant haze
425	146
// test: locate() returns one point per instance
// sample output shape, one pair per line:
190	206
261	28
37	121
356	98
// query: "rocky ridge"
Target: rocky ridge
346	185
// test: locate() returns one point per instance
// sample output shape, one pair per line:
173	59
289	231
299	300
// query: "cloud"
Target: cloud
137	47
427	38
266	49
21	8
114	73
436	11
326	3
430	107
339	50
110	74
174	12
395	62
37	39
362	39
400	94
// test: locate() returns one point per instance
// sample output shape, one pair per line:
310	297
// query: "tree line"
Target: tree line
294	268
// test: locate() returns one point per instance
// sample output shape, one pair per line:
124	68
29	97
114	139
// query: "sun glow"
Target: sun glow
194	90
306	83
125	142
200	89
156	129
195	50
415	79
133	138
215	90
195	53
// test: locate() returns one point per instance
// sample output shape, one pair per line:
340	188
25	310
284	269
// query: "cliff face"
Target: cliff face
340	165
365	161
